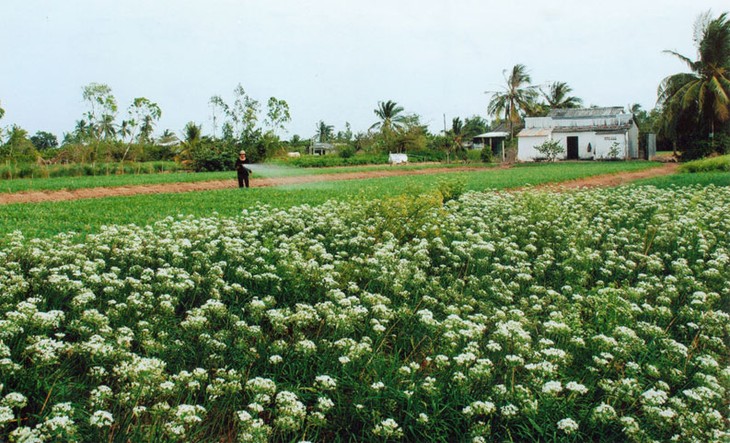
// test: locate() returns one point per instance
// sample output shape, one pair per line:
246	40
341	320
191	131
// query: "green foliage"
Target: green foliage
486	155
43	140
451	188
695	149
346	151
321	161
704	179
720	163
614	151
695	105
551	149
516	98
18	147
209	155
35	170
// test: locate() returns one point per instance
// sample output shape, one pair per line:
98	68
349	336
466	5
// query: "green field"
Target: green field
687	179
260	171
86	216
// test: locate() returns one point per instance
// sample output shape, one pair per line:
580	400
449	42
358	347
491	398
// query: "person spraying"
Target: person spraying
242	171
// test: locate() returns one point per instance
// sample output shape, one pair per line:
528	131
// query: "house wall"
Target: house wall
526	148
633	141
601	144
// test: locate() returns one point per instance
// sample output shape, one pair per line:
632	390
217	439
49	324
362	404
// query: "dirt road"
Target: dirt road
44	196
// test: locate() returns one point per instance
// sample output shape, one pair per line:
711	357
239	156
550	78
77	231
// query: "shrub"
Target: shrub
486	155
721	163
207	155
551	149
451	188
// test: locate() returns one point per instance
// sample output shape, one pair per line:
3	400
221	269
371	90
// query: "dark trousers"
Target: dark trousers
242	180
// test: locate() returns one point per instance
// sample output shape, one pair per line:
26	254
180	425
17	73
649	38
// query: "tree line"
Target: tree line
692	115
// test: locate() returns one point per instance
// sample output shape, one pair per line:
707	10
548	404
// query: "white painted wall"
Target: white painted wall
526	148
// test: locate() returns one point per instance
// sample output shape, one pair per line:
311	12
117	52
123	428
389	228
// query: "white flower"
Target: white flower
388	428
576	387
325	382
568	425
15	400
552	388
101	419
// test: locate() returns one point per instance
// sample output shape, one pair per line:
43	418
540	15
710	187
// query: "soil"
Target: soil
45	196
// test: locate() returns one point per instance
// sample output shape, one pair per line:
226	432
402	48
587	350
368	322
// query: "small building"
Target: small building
321	148
586	134
494	140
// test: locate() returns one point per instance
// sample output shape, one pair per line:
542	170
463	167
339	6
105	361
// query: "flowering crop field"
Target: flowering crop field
581	316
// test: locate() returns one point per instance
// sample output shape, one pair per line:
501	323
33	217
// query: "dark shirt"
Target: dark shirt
241	169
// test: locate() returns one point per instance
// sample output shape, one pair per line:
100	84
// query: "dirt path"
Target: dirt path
611	180
44	196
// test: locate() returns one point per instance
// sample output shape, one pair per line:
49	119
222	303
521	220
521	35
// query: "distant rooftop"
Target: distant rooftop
611	111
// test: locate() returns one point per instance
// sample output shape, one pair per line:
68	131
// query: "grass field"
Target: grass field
85	216
260	171
686	179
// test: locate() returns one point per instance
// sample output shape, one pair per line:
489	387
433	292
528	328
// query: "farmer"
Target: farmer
242	171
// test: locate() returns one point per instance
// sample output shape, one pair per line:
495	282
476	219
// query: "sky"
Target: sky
331	60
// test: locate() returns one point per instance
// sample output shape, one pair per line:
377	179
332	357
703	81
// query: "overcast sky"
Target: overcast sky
331	60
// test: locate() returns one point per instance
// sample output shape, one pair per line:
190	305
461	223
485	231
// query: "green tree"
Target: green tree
18	147
324	132
2	112
192	135
145	114
102	110
455	137
43	140
558	96
515	99
346	135
700	98
390	115
277	114
474	126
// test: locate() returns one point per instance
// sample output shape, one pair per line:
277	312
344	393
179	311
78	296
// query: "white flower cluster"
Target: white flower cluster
553	314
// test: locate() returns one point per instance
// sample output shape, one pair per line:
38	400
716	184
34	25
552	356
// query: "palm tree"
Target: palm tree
192	135
324	131
557	96
517	97
107	127
702	96
456	134
390	116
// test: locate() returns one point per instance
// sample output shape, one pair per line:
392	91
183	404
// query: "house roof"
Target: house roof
620	128
492	134
610	111
535	132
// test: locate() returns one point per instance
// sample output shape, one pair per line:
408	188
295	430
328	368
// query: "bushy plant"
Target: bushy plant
486	154
720	163
346	151
451	188
551	149
208	155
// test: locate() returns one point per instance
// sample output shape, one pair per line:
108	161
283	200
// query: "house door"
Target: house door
572	148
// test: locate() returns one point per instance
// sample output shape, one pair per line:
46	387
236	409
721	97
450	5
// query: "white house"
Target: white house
586	134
